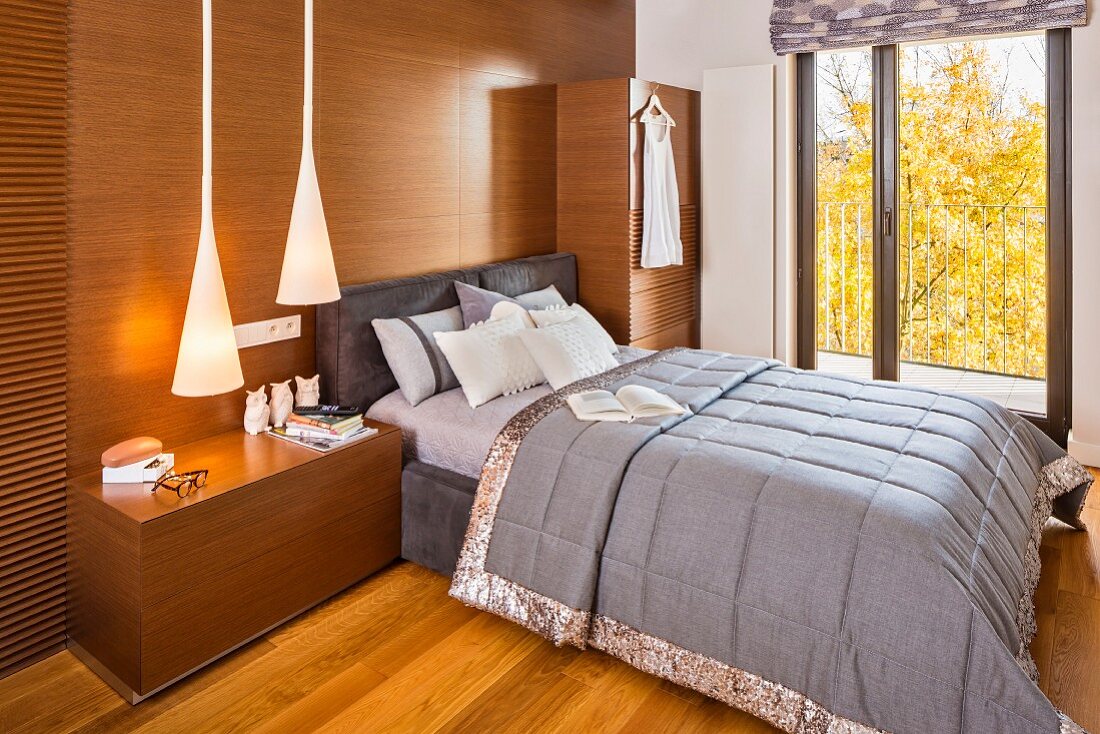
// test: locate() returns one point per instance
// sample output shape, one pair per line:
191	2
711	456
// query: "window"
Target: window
933	222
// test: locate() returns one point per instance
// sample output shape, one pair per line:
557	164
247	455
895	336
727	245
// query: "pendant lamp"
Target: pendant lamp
207	363
309	274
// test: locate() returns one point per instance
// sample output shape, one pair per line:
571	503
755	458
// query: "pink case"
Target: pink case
131	451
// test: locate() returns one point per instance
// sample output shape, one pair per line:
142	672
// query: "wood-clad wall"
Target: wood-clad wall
32	330
435	143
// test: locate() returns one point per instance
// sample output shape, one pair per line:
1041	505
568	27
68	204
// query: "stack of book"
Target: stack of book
323	430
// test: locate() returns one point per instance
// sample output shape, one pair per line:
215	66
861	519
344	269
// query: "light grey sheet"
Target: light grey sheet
446	432
867	550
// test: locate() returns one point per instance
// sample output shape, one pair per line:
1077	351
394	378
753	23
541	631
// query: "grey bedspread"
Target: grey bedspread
829	554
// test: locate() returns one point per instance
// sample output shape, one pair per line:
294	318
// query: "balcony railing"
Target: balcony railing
971	285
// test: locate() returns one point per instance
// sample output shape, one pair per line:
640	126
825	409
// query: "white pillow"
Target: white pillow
566	352
558	315
551	316
548	297
489	359
504	309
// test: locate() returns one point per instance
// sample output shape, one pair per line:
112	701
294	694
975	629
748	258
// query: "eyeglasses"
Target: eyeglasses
184	483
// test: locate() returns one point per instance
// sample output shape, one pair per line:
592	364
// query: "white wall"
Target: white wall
738	199
668	45
678	39
1085	439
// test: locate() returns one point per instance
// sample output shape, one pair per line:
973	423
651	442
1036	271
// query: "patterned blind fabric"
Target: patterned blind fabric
815	25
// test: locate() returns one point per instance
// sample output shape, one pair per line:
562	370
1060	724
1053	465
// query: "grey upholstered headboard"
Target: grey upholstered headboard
349	357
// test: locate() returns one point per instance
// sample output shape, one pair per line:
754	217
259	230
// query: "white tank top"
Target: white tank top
661	243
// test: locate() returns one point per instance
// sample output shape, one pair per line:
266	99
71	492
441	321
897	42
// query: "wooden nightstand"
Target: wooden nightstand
159	586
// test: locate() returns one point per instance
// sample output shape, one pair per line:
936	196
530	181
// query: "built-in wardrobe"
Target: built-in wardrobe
600	209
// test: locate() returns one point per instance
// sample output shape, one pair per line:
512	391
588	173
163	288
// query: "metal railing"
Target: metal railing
971	285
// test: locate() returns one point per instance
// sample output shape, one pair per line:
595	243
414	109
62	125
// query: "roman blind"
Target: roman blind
815	25
33	44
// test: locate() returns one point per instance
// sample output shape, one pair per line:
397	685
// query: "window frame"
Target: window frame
886	349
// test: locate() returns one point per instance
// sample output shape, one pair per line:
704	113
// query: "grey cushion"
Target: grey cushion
414	357
477	303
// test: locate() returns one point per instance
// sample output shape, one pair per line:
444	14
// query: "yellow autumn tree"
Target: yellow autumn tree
972	218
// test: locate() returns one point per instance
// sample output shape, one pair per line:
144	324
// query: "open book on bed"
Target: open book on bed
629	403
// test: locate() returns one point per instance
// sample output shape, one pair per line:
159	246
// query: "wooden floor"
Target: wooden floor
396	654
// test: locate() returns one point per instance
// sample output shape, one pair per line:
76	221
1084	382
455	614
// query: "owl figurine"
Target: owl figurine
282	403
309	391
256	412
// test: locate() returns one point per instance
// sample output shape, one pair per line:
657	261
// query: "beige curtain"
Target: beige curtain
814	25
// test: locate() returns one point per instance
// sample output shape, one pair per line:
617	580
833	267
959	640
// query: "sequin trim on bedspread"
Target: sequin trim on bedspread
1055	479
776	704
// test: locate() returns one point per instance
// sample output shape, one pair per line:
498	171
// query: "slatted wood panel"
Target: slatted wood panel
662	298
32	329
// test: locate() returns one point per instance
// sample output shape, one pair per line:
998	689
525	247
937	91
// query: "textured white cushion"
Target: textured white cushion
580	313
566	352
551	316
548	297
490	360
504	309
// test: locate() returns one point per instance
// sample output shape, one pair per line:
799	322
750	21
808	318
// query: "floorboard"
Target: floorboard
1074	682
395	653
1080	572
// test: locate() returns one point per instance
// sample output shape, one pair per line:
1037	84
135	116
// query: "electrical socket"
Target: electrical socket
265	332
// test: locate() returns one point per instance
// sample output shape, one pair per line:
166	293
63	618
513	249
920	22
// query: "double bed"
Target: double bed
829	554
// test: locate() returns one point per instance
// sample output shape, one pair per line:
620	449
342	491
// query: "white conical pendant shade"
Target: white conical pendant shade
309	273
208	363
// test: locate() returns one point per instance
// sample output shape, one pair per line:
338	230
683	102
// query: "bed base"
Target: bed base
435	510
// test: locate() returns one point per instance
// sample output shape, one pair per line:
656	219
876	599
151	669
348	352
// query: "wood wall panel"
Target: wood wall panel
551	40
593	39
423	31
434	142
592	193
32	330
395	248
509	148
386	136
505	235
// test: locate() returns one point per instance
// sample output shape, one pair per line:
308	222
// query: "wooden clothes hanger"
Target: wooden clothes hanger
653	112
